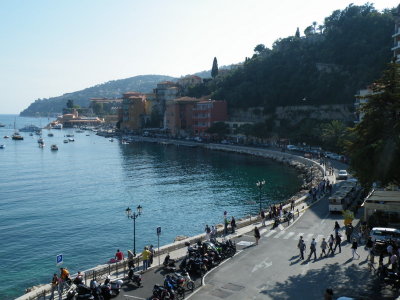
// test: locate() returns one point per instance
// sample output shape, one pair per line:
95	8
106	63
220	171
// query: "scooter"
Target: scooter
135	278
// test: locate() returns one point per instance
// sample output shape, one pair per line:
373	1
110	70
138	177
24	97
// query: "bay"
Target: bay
72	201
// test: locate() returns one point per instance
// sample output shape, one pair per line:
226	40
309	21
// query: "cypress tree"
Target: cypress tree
297	33
214	70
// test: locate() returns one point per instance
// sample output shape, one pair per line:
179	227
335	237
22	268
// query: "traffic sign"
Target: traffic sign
59	259
158	230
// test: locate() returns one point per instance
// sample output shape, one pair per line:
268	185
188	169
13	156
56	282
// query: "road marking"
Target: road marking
280	226
324	219
266	263
279	234
245	243
319	237
270	233
309	236
262	231
129	296
289	235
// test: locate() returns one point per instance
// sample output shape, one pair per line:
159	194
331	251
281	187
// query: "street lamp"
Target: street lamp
260	185
133	215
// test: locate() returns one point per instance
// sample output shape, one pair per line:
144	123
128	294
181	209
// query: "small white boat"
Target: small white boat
71	140
6	137
65	141
111	140
40	141
2	146
41	145
57	126
54	147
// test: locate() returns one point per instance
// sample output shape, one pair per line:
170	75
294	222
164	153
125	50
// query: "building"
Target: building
189	81
74	120
382	208
207	112
361	99
108	106
133	112
179	116
165	91
396	35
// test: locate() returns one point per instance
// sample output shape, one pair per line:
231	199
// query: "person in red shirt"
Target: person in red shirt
119	255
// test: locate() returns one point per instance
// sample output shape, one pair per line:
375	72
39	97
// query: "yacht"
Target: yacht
57	126
17	137
71	140
54	147
6	137
29	128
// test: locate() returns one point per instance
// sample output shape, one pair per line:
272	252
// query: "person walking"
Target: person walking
389	250
257	234
369	246
302	247
354	247
233	224
337	227
262	215
313	249
54	287
152	251
330	243
226	222
324	244
338	241
393	262
145	256
349	231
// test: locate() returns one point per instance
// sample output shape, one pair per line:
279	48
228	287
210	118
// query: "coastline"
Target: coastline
303	165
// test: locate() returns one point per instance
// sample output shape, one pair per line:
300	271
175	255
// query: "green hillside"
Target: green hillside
110	89
326	65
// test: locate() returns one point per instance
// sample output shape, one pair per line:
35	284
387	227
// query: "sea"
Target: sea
72	201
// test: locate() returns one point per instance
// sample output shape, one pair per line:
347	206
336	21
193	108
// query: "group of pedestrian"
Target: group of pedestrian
58	282
147	256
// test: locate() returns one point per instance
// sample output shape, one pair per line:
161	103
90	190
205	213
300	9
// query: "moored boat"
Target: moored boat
2	146
54	147
17	137
65	141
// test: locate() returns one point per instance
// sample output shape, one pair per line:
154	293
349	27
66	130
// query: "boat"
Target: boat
2	125
17	137
6	137
69	135
57	126
66	141
79	131
41	145
71	140
54	147
40	140
31	134
2	146
111	140
50	134
30	128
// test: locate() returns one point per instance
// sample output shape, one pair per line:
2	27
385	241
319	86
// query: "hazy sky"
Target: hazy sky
48	48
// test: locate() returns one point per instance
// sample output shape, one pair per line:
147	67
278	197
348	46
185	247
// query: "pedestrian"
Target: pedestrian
213	232
145	256
369	246
330	243
302	247
393	261
262	215
64	278
226	222
338	241
313	249
389	250
233	224
152	251
349	232
208	232
256	234
354	247
324	244
337	227
119	255
54	287
328	294
292	205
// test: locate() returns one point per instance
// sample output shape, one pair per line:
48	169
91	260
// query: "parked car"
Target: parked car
385	234
342	174
291	147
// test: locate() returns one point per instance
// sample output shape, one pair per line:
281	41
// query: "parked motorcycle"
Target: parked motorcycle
169	264
135	278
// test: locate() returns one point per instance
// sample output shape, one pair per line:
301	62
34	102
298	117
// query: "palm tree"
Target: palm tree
333	133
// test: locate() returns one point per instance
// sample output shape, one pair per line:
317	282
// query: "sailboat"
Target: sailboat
16	136
41	140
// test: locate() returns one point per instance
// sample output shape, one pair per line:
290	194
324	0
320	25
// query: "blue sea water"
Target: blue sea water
73	201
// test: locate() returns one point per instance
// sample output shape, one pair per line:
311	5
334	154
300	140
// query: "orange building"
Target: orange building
133	111
207	112
179	115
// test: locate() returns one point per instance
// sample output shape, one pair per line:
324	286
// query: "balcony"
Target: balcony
396	46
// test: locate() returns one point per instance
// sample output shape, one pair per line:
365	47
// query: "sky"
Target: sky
48	48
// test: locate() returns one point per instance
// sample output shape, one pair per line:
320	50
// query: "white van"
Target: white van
385	234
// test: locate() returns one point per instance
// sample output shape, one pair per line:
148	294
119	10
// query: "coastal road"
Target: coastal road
273	270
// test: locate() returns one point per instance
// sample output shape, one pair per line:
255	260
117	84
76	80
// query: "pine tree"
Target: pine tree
214	70
297	33
375	146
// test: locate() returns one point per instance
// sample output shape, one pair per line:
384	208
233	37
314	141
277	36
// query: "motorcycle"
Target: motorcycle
135	278
96	290
110	289
169	264
174	287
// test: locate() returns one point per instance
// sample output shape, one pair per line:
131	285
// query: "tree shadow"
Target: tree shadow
345	280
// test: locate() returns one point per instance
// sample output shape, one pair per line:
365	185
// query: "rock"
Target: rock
180	238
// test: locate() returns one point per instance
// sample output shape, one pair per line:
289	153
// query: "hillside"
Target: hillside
327	64
110	89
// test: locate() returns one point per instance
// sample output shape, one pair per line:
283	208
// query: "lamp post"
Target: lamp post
134	215
260	185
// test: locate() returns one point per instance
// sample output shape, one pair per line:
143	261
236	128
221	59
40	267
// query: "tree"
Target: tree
297	33
214	70
98	108
219	128
70	103
374	148
333	134
259	48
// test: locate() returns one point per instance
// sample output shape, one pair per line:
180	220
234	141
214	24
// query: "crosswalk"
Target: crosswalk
293	235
